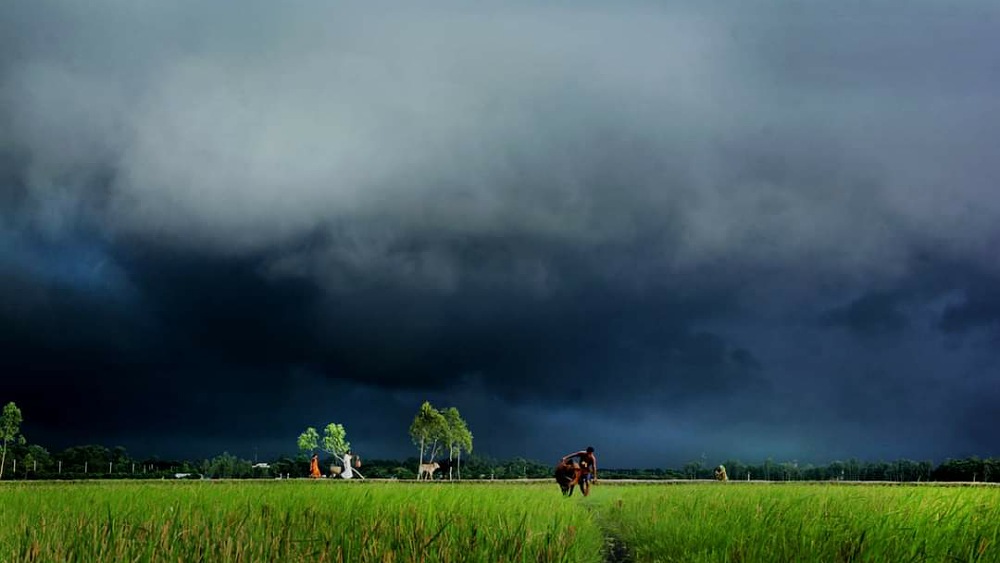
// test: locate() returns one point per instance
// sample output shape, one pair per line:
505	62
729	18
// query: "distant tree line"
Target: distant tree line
20	459
99	462
901	470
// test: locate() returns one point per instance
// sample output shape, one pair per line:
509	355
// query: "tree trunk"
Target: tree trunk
421	462
3	458
459	464
451	458
434	449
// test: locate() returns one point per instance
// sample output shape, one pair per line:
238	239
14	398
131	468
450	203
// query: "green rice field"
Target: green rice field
803	523
301	520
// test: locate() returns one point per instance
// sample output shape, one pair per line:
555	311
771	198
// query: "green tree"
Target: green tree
37	458
309	440
10	431
227	466
459	438
693	469
91	458
428	431
334	440
735	469
120	458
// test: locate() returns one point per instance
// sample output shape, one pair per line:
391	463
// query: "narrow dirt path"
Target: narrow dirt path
615	549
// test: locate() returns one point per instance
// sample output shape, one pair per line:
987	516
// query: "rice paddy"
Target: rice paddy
804	523
302	520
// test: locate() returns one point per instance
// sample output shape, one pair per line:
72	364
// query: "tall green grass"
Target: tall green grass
291	521
802	523
427	522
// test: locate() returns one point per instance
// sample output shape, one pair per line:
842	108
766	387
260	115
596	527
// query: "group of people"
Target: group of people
349	462
586	459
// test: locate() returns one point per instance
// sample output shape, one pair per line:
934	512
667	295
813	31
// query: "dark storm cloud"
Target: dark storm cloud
871	313
208	336
979	308
661	215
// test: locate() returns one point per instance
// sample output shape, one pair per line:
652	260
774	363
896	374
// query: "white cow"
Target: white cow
428	469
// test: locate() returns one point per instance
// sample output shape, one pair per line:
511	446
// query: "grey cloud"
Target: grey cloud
637	212
643	126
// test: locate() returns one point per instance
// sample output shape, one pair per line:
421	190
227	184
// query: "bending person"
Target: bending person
586	458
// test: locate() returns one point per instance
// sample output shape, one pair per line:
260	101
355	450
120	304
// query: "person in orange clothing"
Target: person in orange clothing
314	467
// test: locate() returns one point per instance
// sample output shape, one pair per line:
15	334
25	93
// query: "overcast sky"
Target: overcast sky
671	230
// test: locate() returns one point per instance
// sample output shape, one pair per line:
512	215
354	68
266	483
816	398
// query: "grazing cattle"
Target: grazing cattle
569	475
428	469
720	473
566	477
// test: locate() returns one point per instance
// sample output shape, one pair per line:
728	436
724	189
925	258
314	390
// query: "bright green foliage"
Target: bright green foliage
10	431
309	440
292	521
334	440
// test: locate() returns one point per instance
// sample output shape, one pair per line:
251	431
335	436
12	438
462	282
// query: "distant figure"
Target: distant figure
347	473
720	473
314	467
588	465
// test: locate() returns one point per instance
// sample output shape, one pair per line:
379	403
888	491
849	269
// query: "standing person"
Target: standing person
314	467
586	458
347	473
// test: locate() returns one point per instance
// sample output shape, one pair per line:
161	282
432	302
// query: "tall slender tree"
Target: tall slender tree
458	438
10	431
464	443
428	431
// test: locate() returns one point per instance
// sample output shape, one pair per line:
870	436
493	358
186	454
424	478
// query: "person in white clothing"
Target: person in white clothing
347	473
